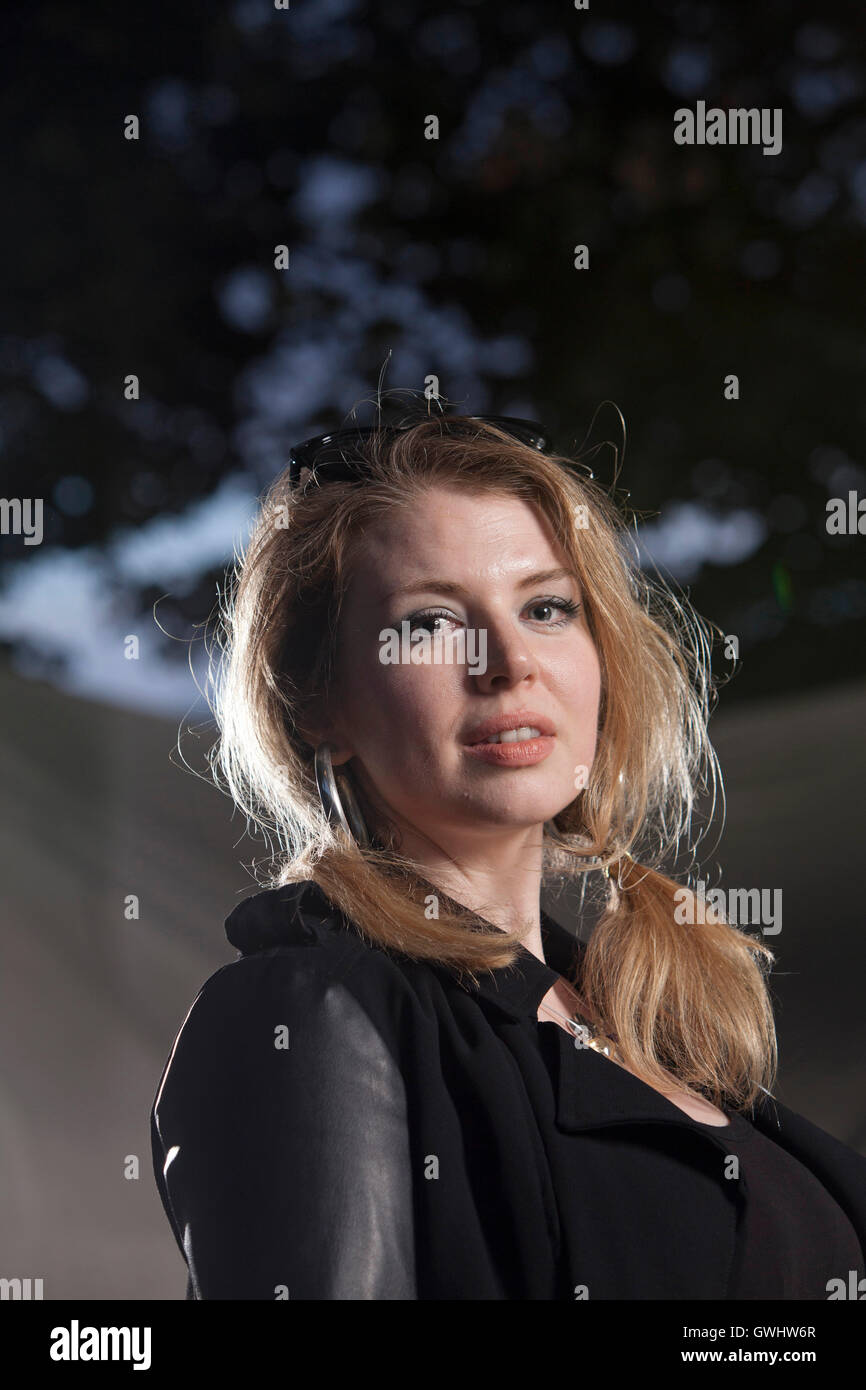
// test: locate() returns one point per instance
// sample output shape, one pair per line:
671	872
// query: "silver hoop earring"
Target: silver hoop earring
338	798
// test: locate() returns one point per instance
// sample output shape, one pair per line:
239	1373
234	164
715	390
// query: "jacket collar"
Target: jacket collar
519	988
591	1091
277	915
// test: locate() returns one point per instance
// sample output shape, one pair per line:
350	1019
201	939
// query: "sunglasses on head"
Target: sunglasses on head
335	455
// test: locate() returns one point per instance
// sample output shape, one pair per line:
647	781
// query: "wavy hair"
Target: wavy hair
688	1002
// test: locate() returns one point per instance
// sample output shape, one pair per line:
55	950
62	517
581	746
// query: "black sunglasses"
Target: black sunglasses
334	456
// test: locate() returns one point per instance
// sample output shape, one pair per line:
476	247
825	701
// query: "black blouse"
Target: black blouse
336	1121
793	1238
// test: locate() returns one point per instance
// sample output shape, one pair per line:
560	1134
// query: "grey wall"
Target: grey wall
98	806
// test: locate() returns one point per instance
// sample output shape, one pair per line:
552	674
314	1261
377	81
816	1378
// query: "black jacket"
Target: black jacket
338	1122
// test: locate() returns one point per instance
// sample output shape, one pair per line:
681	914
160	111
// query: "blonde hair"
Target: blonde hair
684	1001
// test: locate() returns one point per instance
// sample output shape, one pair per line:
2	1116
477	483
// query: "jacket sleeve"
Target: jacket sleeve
280	1140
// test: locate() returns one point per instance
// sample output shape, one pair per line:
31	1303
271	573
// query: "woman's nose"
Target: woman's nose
510	658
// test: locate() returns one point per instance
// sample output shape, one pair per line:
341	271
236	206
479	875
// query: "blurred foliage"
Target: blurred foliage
306	127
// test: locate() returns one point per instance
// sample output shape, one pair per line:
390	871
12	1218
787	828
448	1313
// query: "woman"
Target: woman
445	682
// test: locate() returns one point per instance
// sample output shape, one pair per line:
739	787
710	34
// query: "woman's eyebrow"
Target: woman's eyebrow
447	586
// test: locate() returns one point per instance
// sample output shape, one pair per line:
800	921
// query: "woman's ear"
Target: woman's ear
310	732
315	732
312	722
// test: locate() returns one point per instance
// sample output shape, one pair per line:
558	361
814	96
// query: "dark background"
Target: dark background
452	257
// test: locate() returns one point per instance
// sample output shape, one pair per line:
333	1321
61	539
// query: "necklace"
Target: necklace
584	1036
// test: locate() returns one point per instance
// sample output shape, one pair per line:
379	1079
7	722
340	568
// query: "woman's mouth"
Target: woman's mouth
513	747
514	735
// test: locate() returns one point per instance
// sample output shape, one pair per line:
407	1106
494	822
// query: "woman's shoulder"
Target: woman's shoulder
297	927
296	914
297	958
802	1135
305	988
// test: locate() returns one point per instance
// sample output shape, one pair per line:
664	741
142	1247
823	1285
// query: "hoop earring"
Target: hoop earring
338	797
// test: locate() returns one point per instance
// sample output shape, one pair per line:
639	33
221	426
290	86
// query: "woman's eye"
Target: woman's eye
550	612
433	621
547	606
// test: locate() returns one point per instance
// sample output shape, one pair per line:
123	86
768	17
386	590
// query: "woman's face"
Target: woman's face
454	561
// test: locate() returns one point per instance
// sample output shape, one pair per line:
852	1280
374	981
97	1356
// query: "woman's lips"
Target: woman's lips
520	754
